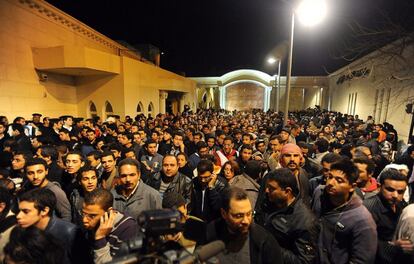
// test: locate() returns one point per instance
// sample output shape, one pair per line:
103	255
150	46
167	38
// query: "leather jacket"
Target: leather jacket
296	229
180	184
208	208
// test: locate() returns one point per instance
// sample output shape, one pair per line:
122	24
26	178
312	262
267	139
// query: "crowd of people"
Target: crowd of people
322	187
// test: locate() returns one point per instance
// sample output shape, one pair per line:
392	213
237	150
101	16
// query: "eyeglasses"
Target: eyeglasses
88	216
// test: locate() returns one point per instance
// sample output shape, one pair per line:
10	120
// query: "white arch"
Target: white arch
267	91
247	74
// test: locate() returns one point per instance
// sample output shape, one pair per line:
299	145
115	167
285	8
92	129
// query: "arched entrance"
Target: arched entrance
244	96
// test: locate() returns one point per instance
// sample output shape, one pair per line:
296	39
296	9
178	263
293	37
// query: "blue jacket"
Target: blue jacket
348	233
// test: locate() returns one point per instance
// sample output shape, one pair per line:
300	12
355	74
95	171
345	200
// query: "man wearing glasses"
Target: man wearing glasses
206	194
107	228
246	242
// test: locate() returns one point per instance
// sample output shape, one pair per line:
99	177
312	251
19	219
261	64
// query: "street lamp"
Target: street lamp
273	60
310	13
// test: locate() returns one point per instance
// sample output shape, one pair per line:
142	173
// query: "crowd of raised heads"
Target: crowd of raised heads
322	187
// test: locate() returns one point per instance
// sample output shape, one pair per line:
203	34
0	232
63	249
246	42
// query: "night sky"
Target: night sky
213	37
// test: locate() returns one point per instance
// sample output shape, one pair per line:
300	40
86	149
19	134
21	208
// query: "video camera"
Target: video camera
149	247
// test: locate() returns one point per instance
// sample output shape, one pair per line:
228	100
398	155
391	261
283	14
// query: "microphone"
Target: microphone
204	253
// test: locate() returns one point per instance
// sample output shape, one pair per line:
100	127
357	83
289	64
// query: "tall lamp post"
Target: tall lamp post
309	12
273	60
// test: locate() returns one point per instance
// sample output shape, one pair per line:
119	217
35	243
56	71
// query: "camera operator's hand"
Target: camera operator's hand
106	224
173	237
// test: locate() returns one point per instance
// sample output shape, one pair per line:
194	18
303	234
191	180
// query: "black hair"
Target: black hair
172	200
228	138
101	197
64	130
219	133
25	154
150	141
331	158
35	161
115	146
76	152
107	153
96	154
32	245
253	169
200	145
234	166
247	135
41	198
85	169
178	133
370	163
111	126
246	147
235	193
129	161
391	174
18	127
49	151
302	145
347	167
322	145
183	154
260	141
284	178
205	166
6	198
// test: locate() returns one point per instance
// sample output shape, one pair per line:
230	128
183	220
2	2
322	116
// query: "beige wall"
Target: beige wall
143	83
383	93
87	67
21	92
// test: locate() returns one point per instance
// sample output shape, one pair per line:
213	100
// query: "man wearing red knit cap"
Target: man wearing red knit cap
291	157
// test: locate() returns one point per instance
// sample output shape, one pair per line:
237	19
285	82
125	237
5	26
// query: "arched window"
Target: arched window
140	107
108	109
92	110
150	109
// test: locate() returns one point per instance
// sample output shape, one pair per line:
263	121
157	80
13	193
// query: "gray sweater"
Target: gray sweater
63	208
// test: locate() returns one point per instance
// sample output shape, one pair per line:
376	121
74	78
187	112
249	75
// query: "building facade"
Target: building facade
379	85
53	64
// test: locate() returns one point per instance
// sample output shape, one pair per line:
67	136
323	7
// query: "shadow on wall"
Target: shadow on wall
89	84
60	87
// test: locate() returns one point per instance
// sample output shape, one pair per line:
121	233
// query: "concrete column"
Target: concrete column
183	100
163	97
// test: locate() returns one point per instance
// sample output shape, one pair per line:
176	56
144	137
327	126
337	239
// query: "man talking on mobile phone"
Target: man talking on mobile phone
107	228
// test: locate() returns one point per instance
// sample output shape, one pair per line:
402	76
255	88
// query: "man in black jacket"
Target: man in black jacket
169	179
386	208
246	242
36	209
291	222
207	192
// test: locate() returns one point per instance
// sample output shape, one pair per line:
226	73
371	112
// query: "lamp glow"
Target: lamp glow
311	12
271	60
